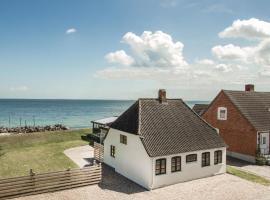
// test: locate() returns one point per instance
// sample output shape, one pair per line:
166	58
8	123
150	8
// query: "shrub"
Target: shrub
260	160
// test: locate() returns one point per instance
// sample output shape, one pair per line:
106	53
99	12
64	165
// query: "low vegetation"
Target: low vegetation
1	151
42	152
247	175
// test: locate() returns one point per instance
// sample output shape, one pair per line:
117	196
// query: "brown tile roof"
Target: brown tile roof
200	108
254	106
168	128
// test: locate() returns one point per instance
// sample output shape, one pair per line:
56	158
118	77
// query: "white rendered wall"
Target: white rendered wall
189	171
131	160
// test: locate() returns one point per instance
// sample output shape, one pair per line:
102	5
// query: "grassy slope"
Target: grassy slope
247	175
40	151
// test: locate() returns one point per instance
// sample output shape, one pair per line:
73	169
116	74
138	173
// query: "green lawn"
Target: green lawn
247	175
42	152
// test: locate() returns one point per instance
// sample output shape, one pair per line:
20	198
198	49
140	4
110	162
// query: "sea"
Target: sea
72	113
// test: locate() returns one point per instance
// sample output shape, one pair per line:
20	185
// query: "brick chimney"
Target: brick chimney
162	96
249	88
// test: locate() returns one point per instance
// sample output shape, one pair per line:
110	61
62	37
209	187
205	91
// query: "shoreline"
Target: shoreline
32	129
41	132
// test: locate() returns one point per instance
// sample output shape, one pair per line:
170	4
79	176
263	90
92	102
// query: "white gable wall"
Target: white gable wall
189	171
131	160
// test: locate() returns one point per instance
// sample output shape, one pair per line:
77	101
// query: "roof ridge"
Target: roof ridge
157	99
244	91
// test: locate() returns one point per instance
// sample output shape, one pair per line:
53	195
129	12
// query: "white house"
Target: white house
159	142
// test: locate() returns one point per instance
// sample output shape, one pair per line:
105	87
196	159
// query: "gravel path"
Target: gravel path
114	186
82	155
259	170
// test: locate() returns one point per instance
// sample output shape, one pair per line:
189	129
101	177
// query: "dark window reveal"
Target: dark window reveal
218	157
176	164
123	139
191	158
205	159
112	151
161	166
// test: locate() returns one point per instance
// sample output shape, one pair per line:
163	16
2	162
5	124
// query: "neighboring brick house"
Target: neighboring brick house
243	120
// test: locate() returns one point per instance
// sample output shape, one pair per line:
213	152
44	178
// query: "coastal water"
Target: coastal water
73	113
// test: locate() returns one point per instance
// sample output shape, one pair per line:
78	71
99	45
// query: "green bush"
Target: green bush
261	160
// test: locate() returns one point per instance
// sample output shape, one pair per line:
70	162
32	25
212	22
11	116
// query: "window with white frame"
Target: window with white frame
112	151
161	166
176	164
205	159
217	157
123	139
222	113
263	140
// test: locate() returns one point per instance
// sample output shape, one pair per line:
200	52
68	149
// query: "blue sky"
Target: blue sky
40	58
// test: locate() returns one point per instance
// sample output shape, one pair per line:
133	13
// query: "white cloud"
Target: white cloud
156	56
119	57
19	89
205	62
223	68
265	72
258	55
135	73
248	29
262	53
71	31
155	50
232	52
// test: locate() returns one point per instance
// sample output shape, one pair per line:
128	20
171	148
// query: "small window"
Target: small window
205	159
222	113
176	164
161	166
123	139
112	151
263	140
218	157
191	158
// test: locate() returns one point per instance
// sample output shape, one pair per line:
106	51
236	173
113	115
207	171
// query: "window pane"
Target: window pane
191	158
160	166
222	114
205	159
176	164
218	157
163	162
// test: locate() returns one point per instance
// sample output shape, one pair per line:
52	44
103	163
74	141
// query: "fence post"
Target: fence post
32	173
32	178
